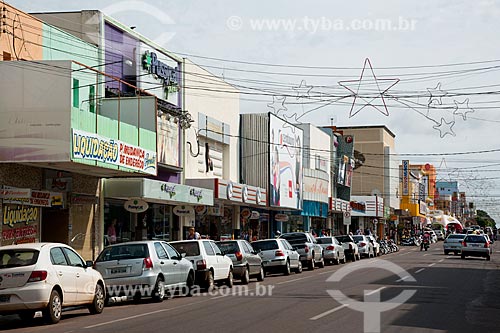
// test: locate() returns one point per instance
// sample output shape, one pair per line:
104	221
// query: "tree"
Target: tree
484	220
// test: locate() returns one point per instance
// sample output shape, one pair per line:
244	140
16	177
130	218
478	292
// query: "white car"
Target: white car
351	249
47	277
210	264
333	252
376	245
278	255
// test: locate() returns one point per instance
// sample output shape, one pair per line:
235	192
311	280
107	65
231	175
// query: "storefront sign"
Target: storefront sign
167	74
245	213
281	217
182	210
406	177
83	199
200	210
31	197
14	214
136	205
91	146
255	215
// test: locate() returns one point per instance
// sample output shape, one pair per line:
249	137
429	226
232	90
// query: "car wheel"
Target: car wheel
190	284
210	282
446	252
488	258
245	277
310	264
286	269
462	256
337	260
261	275
455	253
229	281
299	267
97	305
321	264
53	311
159	291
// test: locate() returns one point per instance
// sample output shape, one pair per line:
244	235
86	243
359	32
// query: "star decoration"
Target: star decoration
278	104
463	108
436	95
369	85
445	128
302	90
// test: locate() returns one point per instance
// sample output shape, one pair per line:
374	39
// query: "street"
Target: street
452	295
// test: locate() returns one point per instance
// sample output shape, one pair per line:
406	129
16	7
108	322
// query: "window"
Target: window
216	248
76	93
92	99
73	258
248	248
18	258
208	249
57	256
189	248
172	253
6	56
160	251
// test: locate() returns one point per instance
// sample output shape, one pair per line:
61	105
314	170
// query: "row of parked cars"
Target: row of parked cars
49	276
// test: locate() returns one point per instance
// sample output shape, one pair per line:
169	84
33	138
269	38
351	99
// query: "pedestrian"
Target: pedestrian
193	234
111	232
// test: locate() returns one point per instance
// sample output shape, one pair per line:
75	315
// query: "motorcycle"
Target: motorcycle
425	244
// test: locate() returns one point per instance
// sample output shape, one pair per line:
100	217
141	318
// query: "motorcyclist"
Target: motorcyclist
426	238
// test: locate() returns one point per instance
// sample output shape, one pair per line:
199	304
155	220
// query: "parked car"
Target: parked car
278	255
350	247
246	261
365	246
453	243
144	268
210	264
311	253
47	277
333	252
476	246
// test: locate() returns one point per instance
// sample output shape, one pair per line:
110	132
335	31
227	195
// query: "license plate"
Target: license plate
475	245
119	270
4	298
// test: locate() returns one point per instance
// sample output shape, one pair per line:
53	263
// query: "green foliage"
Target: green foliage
484	220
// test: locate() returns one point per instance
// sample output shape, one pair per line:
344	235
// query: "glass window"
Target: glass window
216	248
18	258
76	93
124	251
324	240
228	247
265	245
73	258
189	248
57	256
160	251
247	247
172	253
208	249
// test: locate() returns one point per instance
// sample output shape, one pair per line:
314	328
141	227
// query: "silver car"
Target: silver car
453	243
365	246
278	255
350	247
144	268
476	246
311	253
333	252
246	261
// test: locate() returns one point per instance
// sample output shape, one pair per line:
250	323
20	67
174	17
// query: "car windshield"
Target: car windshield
358	238
124	251
456	236
295	238
265	245
189	248
324	240
228	247
18	258
344	239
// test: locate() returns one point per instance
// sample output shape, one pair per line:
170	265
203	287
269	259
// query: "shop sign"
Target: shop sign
14	214
244	193
255	215
406	177
136	206
30	197
167	74
182	210
83	199
281	217
91	146
200	210
245	213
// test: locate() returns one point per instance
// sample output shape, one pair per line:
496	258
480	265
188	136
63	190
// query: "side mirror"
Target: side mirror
89	263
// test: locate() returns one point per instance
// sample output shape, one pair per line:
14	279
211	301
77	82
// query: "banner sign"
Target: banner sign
91	146
26	196
406	177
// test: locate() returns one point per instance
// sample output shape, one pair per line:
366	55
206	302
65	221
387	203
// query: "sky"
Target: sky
431	78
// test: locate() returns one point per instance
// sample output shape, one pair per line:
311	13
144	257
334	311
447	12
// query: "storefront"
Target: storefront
237	210
141	208
366	213
338	208
315	203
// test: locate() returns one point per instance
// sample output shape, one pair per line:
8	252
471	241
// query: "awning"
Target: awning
157	191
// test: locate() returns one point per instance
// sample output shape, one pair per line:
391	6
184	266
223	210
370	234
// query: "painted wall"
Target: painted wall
208	95
27	44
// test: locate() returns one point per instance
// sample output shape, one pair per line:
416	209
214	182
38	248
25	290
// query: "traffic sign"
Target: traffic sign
347	218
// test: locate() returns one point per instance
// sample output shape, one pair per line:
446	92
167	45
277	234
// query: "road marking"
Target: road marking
216	297
441	260
430	265
403	278
288	281
421	269
321	315
403	254
374	291
144	314
427	254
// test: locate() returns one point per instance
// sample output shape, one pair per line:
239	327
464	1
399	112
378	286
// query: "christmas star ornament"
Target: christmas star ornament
363	89
436	95
445	128
463	108
278	104
302	90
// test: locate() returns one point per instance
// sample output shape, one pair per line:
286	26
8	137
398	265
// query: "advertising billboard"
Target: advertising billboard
285	150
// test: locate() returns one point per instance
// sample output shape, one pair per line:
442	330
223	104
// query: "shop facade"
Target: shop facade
366	213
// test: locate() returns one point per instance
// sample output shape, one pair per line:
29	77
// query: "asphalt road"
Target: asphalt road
447	295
